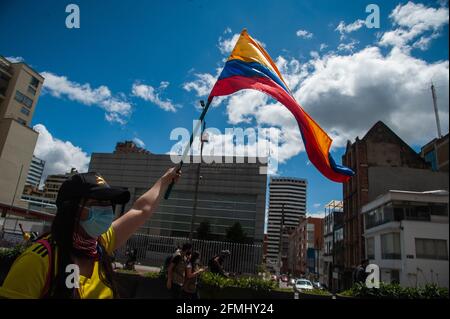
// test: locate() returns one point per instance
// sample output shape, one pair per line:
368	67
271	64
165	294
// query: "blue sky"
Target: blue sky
347	78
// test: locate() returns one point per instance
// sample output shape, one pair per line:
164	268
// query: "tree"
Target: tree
203	230
236	234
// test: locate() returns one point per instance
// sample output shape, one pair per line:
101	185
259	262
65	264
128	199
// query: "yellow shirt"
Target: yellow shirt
27	276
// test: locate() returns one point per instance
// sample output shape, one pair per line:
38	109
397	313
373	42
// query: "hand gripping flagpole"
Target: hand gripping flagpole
188	147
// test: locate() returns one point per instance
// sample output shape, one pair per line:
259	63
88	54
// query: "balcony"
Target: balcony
5	67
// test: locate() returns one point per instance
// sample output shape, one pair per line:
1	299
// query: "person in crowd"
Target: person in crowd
359	274
193	271
176	270
216	263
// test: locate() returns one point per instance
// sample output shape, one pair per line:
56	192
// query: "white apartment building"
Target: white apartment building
407	236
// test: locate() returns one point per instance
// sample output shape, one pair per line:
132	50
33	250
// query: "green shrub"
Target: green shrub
6	253
395	291
214	280
153	275
126	271
319	292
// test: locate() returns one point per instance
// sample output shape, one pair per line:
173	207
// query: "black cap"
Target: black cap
91	185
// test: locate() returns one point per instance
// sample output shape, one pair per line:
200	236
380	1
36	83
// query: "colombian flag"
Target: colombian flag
250	67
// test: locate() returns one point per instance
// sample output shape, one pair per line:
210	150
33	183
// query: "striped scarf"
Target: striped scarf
84	244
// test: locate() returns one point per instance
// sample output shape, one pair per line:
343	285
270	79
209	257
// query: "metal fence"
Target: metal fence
152	250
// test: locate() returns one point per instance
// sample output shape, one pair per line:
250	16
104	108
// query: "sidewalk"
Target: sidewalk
139	268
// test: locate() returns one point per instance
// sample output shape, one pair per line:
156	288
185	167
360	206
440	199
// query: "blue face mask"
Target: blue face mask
99	220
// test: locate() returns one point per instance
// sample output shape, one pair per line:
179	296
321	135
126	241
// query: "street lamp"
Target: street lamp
281	239
203	139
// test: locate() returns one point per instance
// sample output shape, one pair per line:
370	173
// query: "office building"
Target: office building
20	87
35	172
287	204
305	244
54	182
227	192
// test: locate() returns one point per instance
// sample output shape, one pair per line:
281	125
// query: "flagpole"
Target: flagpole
188	147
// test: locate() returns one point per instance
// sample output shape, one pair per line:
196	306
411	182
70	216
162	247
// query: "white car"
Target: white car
303	284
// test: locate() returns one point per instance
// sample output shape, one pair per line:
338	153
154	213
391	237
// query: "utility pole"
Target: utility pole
436	113
194	208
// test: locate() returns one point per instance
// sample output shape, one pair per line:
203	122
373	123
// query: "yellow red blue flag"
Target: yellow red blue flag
250	67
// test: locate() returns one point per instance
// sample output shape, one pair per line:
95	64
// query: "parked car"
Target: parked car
292	281
284	278
303	284
318	285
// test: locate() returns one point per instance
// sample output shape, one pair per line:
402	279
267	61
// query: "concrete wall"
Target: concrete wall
383	179
431	270
17	143
408	265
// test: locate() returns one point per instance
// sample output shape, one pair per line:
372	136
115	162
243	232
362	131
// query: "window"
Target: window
21	121
34	82
31	90
431	249
390	246
370	248
25	111
439	209
395	276
339	234
430	157
23	99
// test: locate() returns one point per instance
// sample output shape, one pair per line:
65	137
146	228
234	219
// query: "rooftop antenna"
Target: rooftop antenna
436	113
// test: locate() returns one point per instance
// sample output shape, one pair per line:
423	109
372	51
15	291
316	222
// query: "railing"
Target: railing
5	65
152	250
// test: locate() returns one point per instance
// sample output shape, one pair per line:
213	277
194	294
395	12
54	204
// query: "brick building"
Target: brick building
305	242
382	161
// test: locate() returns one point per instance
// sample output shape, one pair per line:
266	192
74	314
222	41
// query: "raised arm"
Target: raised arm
143	208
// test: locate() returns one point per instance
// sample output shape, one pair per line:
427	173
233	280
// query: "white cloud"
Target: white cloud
317	205
304	34
320	214
412	21
226	45
343	28
202	85
15	59
323	46
60	156
149	93
253	108
350	47
138	142
345	92
116	107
